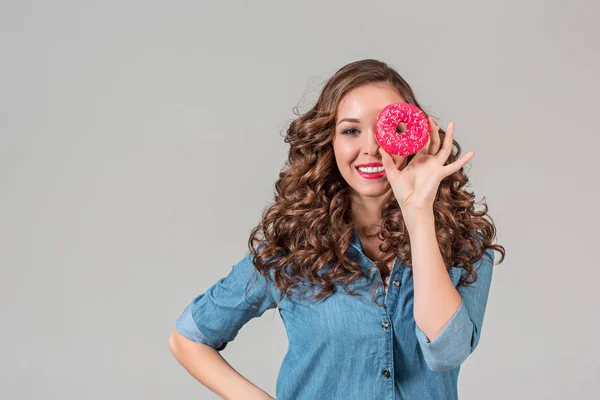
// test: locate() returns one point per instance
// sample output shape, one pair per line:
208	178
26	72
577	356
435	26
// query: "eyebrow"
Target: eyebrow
349	120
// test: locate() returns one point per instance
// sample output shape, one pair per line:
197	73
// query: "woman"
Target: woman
333	240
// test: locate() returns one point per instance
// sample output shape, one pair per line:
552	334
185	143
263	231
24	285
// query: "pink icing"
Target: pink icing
417	129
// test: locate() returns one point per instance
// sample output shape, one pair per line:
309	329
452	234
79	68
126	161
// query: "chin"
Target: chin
371	189
366	187
372	193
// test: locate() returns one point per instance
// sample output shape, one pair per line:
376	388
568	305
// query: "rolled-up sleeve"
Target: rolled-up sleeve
460	336
215	316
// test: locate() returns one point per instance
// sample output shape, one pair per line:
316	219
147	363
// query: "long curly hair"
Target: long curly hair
305	232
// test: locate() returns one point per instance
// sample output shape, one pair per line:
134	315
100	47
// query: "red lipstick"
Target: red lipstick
367	175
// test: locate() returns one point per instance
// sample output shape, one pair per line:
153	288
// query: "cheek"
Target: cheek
344	152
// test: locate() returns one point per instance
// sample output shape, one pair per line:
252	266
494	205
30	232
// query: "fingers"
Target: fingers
434	137
446	149
388	163
458	164
386	158
433	142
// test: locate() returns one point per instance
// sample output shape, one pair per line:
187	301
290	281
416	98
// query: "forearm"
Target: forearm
436	299
209	368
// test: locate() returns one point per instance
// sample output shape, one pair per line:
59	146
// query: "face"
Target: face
354	141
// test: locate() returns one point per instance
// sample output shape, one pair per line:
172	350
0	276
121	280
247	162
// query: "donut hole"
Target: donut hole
401	128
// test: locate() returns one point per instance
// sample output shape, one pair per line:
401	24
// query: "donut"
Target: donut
409	142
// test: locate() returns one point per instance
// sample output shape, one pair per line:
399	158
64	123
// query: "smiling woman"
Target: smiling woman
348	218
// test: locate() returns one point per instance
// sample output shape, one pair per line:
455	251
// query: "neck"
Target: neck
366	211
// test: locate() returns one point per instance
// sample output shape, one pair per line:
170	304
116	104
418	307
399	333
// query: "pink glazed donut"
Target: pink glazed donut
409	142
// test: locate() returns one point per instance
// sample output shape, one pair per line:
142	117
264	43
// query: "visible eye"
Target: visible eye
350	132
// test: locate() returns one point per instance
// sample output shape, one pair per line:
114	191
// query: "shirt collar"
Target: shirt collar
356	243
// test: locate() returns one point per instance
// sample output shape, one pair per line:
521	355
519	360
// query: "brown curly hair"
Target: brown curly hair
307	229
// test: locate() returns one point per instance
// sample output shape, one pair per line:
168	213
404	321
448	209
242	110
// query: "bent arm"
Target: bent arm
460	335
209	368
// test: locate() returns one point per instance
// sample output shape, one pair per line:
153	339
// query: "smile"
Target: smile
371	172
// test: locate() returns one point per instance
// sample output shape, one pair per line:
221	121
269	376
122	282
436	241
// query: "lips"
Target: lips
368	175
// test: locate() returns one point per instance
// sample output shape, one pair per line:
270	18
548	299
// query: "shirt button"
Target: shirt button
386	373
385	324
396	283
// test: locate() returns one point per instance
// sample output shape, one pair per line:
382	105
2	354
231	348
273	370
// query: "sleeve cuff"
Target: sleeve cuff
452	345
186	326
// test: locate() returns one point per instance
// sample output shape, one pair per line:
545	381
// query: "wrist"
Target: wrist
416	218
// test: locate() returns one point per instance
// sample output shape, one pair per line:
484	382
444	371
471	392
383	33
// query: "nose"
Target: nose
370	145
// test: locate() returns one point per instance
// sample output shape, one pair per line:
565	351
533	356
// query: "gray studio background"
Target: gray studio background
140	141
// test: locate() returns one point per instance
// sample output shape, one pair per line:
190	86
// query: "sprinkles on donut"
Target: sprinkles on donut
406	143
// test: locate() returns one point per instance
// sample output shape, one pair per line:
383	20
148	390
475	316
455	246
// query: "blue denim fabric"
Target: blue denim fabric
347	347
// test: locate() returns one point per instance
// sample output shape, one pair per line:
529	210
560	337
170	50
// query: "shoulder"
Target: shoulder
482	267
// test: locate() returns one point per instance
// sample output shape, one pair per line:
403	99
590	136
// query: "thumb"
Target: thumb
388	164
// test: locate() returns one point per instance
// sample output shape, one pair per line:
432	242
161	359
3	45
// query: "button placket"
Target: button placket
393	288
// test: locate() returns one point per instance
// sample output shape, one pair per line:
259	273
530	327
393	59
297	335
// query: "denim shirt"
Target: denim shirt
346	347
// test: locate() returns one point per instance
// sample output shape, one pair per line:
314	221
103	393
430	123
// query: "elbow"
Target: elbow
174	342
446	364
451	347
449	357
444	355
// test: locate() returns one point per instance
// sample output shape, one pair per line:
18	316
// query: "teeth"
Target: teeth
371	170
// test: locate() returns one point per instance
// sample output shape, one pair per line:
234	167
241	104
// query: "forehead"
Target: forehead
366	99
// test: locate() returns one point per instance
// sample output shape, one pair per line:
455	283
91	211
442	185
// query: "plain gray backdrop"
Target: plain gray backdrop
141	141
